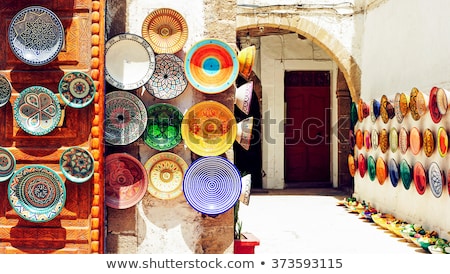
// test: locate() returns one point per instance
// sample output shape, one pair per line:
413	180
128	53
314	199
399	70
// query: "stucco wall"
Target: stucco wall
406	44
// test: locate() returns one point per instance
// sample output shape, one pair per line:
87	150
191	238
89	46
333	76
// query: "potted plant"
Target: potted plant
244	242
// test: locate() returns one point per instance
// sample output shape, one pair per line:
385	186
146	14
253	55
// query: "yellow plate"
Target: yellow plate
209	128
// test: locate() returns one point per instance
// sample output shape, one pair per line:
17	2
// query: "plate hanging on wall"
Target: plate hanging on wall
419	178
37	110
125	117
442	141
36	35
405	174
129	61
371	168
126	181
166	30
77	89
77	164
36	193
7	164
436	179
393	172
211	66
5	90
212	185
168	80
165	173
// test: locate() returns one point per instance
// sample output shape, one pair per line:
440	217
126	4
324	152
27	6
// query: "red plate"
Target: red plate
367	141
420	178
442	142
362	165
433	106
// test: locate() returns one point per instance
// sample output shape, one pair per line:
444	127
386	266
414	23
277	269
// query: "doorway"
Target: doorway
307	129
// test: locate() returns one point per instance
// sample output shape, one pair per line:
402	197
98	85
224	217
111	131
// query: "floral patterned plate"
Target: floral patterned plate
77	164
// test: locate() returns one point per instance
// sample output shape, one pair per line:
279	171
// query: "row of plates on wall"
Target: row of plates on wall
211	184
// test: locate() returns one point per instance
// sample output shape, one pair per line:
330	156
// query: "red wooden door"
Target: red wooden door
307	127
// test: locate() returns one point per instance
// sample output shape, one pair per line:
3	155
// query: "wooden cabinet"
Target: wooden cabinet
79	226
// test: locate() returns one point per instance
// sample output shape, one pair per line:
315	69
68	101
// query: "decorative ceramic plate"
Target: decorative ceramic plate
393	139
352	165
374	139
5	90
419	178
404	104
163	130
415	140
37	110
394	174
442	100
36	193
211	66
367	141
246	58
397	110
363	110
168	80
359	138
243	97
246	189
166	30
403	140
129	61
36	35
416	103
212	185
381	170
125	117
405	174
384	140
371	168
244	132
374	110
362	165
442	141
386	109
353	114
435	114
7	164
77	164
126	181
209	128
436	179
428	142
165	173
77	89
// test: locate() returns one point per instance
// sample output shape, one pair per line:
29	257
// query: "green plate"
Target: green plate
371	168
405	173
163	130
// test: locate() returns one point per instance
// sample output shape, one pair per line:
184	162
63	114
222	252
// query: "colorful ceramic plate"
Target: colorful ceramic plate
77	89
384	140
212	185
442	100
36	193
367	141
436	179
403	140
5	90
165	173
77	164
246	189
428	142
442	141
125	117
166	30
36	35
405	174
374	110
359	139
435	114
363	110
126	181
416	103
211	66
394	174
168	80
419	178
397	109
353	114
246	58
374	139
37	110
371	168
244	133
362	165
352	165
209	128
381	170
7	164
243	97
404	104
415	140
163	130
386	109
393	139
129	61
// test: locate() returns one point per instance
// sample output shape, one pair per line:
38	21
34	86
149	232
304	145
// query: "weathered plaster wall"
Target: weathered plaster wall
405	45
